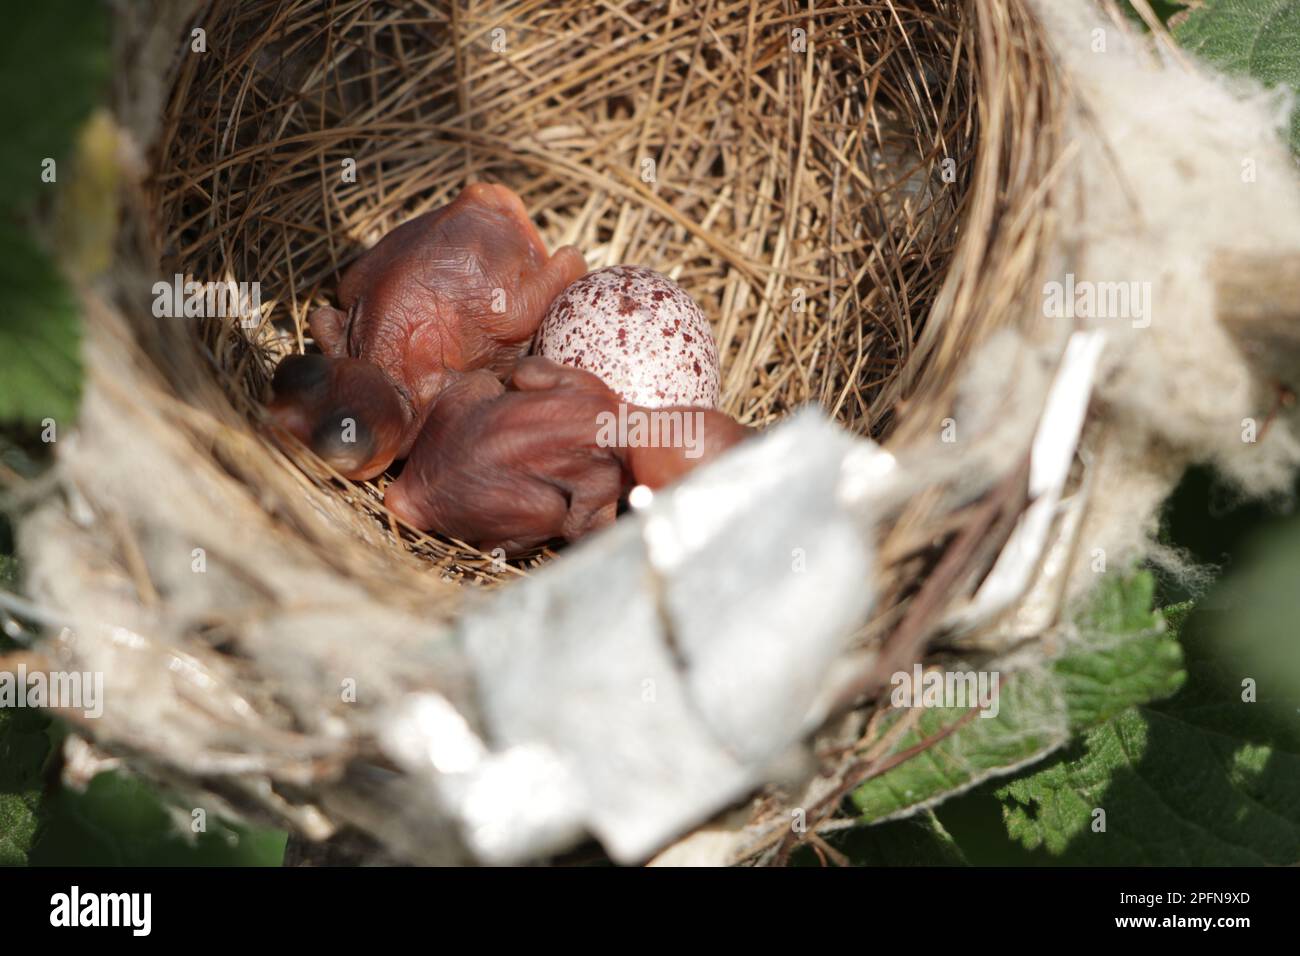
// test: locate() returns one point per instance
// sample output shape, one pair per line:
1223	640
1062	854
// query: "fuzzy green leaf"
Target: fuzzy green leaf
1128	654
1257	38
1123	657
120	820
1173	794
54	59
23	749
40	358
1163	9
919	840
1210	777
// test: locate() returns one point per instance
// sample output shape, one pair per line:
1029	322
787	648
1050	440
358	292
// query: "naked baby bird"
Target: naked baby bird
455	290
516	468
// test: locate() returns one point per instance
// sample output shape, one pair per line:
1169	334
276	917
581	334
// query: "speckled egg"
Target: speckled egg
639	332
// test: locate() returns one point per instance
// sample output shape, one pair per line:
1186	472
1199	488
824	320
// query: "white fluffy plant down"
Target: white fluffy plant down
1170	165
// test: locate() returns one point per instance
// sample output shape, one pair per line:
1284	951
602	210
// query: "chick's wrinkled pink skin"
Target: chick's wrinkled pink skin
460	288
656	466
516	469
512	469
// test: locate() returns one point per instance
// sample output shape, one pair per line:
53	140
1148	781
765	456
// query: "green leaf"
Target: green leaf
54	60
919	840
1128	654
23	750
1163	9
121	821
1173	794
40	358
1209	777
1253	613
1123	656
1257	38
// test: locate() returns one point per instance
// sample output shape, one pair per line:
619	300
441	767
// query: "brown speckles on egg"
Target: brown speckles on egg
640	333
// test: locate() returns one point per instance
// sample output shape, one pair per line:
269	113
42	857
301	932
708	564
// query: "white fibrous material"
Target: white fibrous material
1173	165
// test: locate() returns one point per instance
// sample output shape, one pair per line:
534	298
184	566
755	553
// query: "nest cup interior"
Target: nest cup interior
800	174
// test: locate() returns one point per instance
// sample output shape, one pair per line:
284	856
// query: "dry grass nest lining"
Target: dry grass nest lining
780	177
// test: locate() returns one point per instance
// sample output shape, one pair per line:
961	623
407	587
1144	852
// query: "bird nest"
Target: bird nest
803	177
855	195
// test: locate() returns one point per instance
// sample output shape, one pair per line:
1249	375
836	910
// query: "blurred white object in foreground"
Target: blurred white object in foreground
663	669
